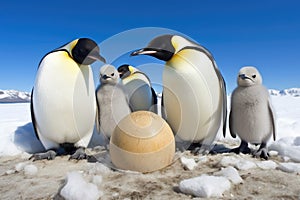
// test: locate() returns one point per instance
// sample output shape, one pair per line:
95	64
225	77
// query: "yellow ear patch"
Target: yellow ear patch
131	69
73	43
174	43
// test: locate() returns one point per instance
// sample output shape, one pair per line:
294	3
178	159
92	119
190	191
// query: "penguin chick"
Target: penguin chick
251	117
138	88
112	102
63	105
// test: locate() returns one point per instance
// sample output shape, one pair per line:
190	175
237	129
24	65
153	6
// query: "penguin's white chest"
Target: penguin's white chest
192	96
251	118
64	99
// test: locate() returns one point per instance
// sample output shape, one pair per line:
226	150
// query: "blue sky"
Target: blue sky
263	33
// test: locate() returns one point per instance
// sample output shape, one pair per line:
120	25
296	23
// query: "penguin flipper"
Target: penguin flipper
224	97
32	115
271	111
224	93
230	126
97	113
154	96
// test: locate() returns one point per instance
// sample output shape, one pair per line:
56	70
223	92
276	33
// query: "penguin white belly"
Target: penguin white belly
252	121
192	96
63	99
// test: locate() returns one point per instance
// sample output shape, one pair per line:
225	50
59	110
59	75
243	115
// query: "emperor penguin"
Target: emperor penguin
63	103
251	116
138	88
112	101
194	92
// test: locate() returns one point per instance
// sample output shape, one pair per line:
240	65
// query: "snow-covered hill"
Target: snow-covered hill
13	96
295	92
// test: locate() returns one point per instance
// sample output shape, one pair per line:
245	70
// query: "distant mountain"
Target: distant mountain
295	92
13	96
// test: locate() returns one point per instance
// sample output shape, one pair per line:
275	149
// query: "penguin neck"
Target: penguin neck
68	47
179	43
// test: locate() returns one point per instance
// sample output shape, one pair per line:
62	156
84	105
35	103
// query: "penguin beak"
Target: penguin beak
160	54
244	77
105	77
144	51
96	56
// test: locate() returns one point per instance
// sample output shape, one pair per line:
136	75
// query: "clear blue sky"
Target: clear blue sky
262	33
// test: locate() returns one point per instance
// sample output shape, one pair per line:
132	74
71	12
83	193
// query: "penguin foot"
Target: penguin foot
243	148
238	150
79	154
49	155
200	150
262	152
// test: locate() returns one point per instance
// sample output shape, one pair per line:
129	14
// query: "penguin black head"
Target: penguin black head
86	51
160	47
124	71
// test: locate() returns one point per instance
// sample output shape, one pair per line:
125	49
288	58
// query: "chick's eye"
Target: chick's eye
254	76
112	74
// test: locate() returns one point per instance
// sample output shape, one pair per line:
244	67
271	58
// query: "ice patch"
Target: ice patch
289	167
20	166
268	164
77	188
205	186
97	180
30	170
231	173
188	163
238	162
287	147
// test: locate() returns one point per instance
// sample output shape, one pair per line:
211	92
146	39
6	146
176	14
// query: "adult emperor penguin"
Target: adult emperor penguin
194	93
251	116
63	104
138	88
112	102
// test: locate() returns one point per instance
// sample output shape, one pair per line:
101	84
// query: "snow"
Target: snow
268	164
287	147
205	186
20	166
30	170
17	137
188	163
237	161
290	167
77	188
231	174
97	179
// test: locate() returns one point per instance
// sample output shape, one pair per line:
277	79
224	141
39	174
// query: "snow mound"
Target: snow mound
289	167
238	162
268	164
77	188
188	163
231	173
287	147
30	170
205	186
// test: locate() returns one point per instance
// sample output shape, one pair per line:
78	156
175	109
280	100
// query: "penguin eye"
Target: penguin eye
254	76
112	74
